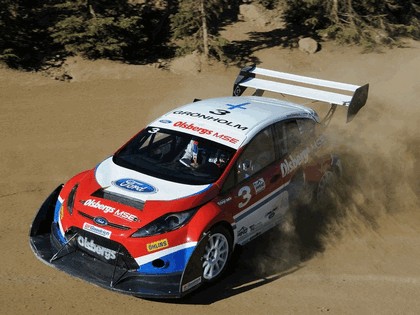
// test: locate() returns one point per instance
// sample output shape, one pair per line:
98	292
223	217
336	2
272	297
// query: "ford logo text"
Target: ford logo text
134	185
100	221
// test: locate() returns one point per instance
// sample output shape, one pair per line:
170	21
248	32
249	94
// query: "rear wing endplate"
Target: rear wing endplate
304	87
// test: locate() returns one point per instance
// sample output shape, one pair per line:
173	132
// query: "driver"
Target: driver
190	157
220	159
195	155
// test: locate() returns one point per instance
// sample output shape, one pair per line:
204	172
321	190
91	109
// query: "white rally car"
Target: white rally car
164	213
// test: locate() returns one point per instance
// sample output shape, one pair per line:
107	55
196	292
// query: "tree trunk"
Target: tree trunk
334	11
91	10
205	31
350	12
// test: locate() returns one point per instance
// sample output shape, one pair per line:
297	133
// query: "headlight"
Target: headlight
70	198
166	223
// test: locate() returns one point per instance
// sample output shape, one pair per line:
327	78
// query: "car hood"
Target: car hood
122	181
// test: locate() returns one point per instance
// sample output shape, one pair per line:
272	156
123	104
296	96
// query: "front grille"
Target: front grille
102	248
101	193
117	226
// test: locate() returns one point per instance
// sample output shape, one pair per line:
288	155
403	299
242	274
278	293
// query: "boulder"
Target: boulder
308	45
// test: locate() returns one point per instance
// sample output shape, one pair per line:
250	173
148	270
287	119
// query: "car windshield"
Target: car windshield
174	156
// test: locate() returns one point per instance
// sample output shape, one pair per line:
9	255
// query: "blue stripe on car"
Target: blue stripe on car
174	262
258	205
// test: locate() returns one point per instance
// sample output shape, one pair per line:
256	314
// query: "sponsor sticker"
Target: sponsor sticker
219	120
242	231
255	226
165	121
192	127
96	204
151	247
289	165
61	213
125	216
294	161
269	215
204	131
224	201
134	185
225	137
96	230
191	284
237	91
259	185
90	245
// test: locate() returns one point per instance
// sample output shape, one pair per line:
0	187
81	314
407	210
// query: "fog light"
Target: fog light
158	263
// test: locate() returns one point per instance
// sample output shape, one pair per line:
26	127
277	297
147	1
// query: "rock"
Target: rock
308	45
252	13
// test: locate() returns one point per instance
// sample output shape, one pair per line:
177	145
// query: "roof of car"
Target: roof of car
231	120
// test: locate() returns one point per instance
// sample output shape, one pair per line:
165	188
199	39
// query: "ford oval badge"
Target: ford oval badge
134	185
100	221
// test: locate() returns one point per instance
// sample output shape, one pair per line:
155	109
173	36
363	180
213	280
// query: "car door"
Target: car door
253	192
295	143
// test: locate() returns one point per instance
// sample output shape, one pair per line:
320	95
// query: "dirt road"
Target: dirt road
365	261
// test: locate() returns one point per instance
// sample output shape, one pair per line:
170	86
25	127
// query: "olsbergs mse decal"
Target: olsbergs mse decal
134	185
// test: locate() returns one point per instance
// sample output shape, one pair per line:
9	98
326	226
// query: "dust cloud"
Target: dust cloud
359	255
379	151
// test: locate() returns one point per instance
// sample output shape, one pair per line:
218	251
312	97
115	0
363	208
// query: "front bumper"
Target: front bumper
70	259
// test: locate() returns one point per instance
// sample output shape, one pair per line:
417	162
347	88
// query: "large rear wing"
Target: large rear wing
304	87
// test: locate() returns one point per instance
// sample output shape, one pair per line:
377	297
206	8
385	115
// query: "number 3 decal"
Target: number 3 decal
154	130
220	112
245	192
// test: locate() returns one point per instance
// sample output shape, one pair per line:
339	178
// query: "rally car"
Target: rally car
163	215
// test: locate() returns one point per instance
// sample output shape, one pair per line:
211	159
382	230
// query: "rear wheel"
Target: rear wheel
217	253
326	186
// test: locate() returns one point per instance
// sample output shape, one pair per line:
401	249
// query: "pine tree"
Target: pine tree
7	29
196	25
369	23
25	41
99	28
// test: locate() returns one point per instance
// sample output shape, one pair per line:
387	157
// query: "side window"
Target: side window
280	138
287	136
291	134
307	127
259	153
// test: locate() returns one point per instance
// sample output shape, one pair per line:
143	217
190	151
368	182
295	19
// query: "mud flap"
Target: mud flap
42	222
193	273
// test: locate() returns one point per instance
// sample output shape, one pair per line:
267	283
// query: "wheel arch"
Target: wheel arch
224	224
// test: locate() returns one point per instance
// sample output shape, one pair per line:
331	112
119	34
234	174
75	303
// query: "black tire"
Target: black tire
326	186
300	192
217	253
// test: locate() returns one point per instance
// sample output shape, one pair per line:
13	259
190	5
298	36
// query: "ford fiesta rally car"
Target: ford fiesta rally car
163	214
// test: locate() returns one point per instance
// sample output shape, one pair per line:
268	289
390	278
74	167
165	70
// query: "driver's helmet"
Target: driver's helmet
245	168
220	159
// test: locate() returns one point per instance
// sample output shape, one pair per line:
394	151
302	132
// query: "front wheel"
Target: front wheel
217	253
